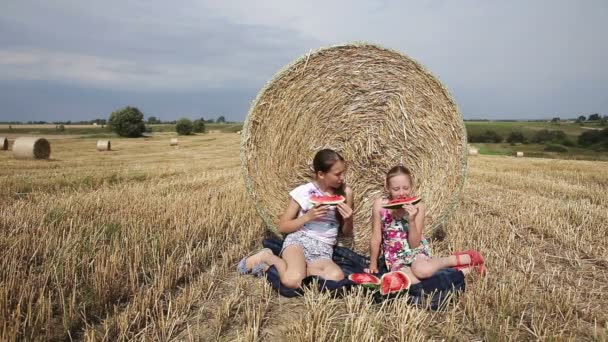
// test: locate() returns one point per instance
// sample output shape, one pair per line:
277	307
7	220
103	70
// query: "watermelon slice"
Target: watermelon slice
365	279
328	200
399	202
393	282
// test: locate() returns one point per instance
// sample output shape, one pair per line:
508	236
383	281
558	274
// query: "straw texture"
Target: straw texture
31	148
3	143
376	107
104	145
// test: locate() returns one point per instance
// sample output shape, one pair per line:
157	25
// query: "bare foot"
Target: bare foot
257	258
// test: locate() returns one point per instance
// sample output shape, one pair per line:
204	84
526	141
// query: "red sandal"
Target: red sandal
476	258
477	262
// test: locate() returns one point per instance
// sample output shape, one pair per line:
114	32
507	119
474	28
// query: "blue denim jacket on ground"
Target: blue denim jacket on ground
434	292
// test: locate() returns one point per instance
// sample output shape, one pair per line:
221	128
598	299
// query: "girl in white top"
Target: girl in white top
311	230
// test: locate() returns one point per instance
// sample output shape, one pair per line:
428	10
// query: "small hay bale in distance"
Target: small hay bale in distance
518	154
3	143
376	107
473	151
104	145
174	142
31	148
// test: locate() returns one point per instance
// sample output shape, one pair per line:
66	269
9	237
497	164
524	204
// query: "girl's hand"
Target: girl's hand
372	269
345	210
316	212
411	211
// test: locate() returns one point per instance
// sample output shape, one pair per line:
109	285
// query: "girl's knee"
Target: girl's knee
292	280
335	274
421	269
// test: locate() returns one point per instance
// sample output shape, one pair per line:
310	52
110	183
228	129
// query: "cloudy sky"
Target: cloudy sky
80	60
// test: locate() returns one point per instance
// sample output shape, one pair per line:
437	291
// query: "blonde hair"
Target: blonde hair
398	170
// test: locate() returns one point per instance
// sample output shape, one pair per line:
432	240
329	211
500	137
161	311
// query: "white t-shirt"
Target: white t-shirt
324	229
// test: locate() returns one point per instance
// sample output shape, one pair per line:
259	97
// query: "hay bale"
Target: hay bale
473	151
31	148
174	142
238	132
3	144
104	145
375	106
519	154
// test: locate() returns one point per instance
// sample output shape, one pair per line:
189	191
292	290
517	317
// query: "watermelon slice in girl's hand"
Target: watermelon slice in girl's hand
327	200
393	282
399	202
365	279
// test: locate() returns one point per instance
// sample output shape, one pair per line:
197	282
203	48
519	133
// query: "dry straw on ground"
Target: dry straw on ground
104	145
375	106
3	143
31	148
174	142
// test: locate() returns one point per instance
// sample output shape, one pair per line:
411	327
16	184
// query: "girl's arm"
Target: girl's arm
347	225
289	222
376	238
415	224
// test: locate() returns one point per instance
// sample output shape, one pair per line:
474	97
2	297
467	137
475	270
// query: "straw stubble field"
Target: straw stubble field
140	243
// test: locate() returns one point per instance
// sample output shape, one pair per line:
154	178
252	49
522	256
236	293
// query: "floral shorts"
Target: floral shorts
313	248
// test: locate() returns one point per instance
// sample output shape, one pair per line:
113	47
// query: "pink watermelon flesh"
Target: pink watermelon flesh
327	199
398	203
394	282
364	278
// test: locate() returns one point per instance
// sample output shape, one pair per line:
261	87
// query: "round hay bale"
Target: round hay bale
174	142
104	145
3	143
31	148
473	151
376	107
519	154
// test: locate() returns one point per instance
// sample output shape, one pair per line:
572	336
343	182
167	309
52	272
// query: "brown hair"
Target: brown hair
398	170
323	161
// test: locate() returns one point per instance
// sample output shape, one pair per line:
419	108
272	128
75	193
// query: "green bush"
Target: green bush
198	126
555	148
183	126
516	137
593	137
485	137
127	122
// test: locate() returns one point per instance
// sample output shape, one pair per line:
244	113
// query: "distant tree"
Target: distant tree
221	119
516	137
198	126
128	122
582	118
594	117
183	126
555	120
153	120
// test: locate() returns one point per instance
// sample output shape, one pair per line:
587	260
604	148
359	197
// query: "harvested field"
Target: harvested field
141	244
